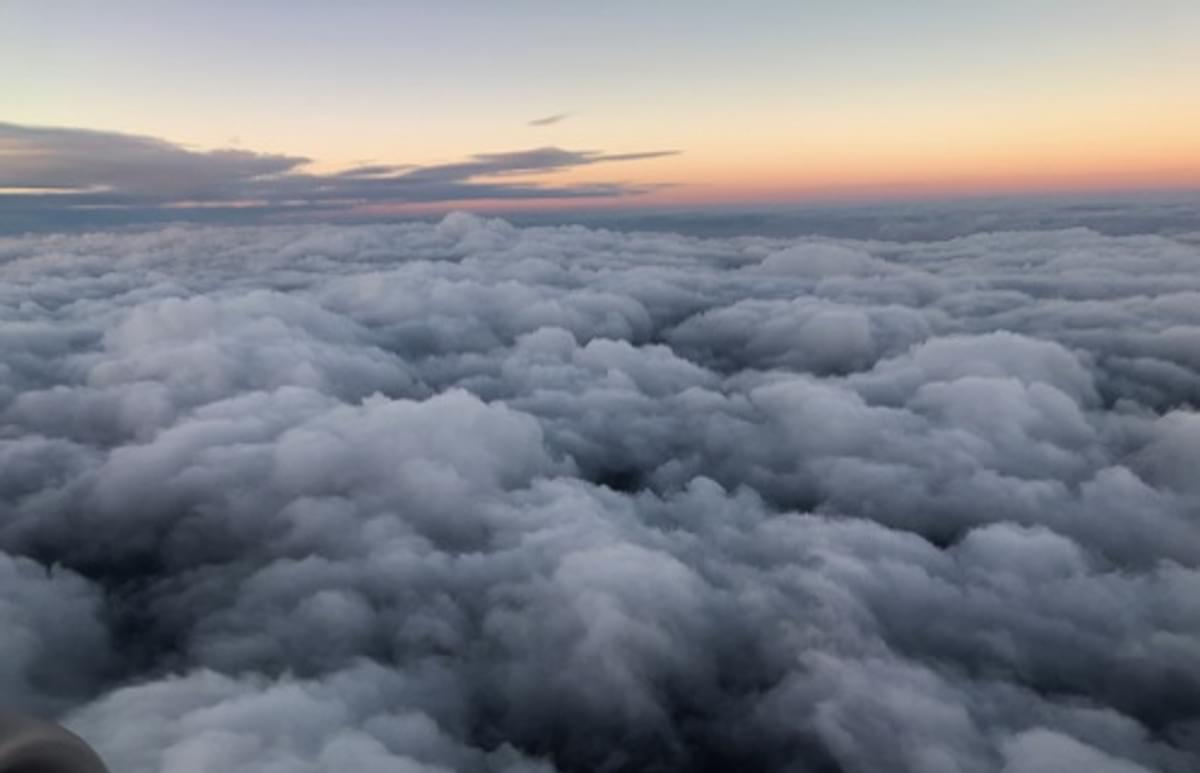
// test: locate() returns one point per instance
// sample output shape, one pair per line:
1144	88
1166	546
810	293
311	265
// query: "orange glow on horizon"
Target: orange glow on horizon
715	195
682	182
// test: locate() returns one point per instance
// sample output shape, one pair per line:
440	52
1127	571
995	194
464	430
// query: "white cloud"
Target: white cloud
466	496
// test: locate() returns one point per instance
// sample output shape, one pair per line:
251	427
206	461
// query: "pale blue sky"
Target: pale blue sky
769	95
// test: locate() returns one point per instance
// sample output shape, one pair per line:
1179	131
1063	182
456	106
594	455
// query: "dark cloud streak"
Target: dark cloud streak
67	172
550	120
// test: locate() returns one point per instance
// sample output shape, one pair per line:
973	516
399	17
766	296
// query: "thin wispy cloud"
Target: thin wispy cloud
550	120
64	171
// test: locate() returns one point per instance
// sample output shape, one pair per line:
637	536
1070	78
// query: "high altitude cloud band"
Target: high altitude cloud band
60	170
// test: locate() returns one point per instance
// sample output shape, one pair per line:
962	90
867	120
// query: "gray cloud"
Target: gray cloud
468	496
87	161
58	174
550	120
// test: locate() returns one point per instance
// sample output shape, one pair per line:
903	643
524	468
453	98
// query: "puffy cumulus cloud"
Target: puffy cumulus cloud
467	496
822	259
54	647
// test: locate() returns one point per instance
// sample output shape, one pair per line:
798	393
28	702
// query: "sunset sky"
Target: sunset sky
640	386
768	101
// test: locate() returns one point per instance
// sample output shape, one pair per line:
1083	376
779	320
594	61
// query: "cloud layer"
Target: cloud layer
465	496
65	175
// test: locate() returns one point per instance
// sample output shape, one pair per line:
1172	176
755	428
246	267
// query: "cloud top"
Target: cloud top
468	496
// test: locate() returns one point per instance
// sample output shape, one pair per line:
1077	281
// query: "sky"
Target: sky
665	103
514	387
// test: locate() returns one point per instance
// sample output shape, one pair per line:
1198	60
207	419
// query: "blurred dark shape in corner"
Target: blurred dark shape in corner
29	745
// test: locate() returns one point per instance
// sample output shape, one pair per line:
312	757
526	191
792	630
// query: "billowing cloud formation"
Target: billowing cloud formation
471	497
63	173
